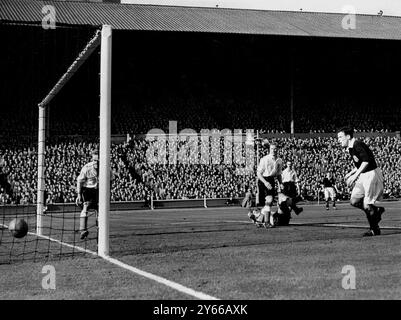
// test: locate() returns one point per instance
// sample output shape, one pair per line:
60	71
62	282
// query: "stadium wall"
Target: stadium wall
138	205
127	205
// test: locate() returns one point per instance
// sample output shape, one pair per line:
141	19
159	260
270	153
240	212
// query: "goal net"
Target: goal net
55	81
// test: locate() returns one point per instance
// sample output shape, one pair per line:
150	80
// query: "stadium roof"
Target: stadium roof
196	19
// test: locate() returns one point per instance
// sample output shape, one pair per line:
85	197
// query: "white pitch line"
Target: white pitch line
171	284
304	224
340	225
317	224
237	221
166	282
204	222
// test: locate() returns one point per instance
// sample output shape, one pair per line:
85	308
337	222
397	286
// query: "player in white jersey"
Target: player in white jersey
288	197
88	191
269	169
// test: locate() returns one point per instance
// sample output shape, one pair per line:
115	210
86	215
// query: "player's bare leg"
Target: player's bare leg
262	217
266	212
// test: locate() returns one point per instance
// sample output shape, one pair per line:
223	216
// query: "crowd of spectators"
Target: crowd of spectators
314	157
138	176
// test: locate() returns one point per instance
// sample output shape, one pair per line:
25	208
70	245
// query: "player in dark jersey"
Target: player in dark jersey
330	190
366	178
247	202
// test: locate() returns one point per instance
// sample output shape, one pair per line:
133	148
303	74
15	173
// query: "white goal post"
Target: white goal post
105	137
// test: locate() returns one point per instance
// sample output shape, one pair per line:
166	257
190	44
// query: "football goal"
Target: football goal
38	215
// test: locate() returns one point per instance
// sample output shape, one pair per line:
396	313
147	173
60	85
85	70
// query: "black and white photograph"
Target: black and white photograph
200	154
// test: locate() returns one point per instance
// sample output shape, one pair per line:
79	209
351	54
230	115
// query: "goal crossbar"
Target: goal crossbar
82	57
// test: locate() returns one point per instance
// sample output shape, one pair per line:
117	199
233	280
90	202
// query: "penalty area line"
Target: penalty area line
174	285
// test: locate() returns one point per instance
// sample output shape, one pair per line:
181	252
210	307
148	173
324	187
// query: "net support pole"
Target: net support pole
41	170
292	80
257	147
105	137
292	104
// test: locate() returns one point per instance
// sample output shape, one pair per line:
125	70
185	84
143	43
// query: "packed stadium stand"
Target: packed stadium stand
136	179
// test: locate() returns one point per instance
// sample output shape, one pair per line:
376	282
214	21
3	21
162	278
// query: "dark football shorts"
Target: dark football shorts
290	189
91	195
264	192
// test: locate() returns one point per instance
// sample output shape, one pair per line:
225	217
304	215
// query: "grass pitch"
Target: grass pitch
219	252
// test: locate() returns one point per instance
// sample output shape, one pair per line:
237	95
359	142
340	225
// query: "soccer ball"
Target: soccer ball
18	228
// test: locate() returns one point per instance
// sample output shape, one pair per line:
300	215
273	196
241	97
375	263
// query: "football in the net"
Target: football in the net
18	228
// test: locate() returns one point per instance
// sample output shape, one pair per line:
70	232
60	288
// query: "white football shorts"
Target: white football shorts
370	186
329	193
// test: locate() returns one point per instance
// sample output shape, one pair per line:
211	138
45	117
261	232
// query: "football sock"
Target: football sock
370	211
83	222
284	208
